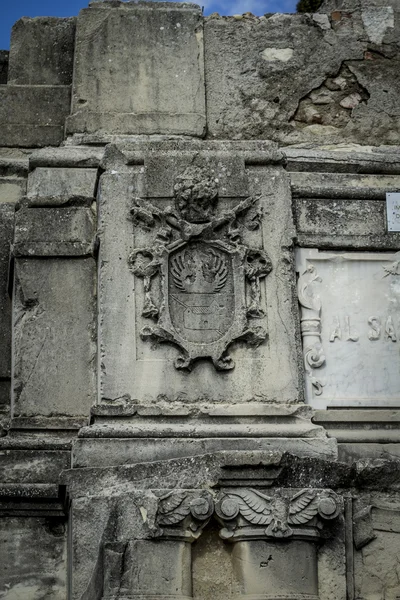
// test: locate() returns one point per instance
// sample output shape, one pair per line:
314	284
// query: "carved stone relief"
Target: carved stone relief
310	323
283	522
249	514
183	515
209	279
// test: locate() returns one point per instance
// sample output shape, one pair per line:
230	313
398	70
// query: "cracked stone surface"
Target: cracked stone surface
297	78
54	332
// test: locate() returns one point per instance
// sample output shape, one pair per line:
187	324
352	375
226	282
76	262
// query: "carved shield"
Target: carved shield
201	292
204	300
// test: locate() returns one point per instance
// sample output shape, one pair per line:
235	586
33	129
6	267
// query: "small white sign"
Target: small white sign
393	211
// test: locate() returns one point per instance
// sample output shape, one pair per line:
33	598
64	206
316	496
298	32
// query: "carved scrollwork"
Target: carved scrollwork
146	264
202	265
257	266
310	324
183	514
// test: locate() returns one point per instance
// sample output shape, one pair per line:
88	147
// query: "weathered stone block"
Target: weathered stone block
12	189
54	314
139	69
32	466
42	51
57	187
343	217
376	562
293	78
28	572
14	162
54	232
6	235
33	115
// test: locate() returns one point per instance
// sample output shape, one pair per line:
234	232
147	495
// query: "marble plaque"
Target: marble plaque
350	324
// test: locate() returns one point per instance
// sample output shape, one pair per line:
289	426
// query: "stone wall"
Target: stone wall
199	305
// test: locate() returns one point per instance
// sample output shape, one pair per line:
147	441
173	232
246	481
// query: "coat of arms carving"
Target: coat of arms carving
209	279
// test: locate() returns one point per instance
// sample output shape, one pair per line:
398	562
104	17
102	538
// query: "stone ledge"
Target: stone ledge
162	123
211	469
354	242
48	423
88	452
32	500
379	426
142	5
146	428
34	490
338	185
344	158
360	415
38	440
82	157
125	408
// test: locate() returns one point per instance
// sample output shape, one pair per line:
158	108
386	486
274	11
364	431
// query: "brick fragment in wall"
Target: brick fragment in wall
332	102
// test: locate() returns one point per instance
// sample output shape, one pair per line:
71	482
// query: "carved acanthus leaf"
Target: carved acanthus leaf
173	508
303	507
305	280
278	516
254	506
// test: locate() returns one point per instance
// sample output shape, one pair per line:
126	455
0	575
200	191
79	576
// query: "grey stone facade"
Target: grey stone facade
200	305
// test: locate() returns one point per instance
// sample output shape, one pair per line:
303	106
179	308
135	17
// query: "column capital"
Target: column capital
248	514
182	514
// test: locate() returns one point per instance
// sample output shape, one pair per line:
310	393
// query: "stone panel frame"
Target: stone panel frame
316	344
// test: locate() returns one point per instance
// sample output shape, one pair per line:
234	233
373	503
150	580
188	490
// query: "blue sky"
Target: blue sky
12	10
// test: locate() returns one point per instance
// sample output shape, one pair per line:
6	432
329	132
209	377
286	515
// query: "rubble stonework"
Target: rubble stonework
199	305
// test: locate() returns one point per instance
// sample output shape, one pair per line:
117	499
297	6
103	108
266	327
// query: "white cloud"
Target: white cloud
257	7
